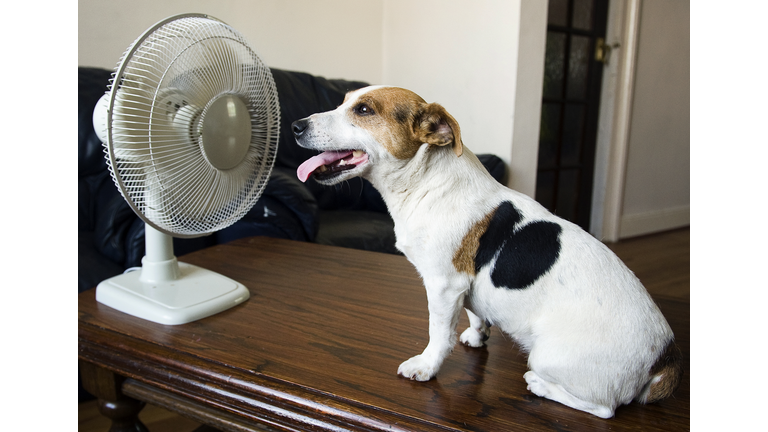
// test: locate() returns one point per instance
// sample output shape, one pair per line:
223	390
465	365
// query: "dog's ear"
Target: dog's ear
435	126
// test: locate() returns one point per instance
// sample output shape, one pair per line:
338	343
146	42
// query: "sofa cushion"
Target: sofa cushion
286	209
357	229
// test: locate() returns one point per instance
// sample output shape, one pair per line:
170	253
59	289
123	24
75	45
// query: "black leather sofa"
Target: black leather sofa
352	214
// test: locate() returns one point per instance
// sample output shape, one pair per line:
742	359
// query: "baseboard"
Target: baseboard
654	221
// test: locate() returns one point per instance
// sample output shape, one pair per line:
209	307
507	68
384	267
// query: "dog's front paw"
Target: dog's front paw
418	368
473	338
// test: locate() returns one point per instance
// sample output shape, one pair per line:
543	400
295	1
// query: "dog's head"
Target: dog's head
373	125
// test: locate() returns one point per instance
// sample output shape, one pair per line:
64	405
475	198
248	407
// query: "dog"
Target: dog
594	337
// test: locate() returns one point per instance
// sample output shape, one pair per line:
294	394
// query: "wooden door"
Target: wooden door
570	107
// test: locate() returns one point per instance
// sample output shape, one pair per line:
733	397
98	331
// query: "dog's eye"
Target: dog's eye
363	110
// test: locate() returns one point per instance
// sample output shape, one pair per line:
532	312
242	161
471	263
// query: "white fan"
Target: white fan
190	127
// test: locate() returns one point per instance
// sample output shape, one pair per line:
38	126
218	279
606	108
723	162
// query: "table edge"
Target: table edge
247	394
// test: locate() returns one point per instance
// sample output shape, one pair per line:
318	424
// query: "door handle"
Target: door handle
603	50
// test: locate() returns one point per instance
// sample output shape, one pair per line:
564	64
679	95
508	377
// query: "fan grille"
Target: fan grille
159	97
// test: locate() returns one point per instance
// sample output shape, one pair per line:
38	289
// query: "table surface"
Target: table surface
317	347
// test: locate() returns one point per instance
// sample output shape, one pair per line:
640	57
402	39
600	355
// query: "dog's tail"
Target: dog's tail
666	375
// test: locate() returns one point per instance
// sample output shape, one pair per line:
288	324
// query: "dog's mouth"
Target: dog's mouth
331	163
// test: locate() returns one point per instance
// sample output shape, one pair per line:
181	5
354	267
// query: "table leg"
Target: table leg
113	404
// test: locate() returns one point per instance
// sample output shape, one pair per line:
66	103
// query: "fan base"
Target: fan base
196	294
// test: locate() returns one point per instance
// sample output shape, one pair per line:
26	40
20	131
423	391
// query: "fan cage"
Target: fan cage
161	90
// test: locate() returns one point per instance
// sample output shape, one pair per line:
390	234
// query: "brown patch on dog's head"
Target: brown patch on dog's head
402	121
437	127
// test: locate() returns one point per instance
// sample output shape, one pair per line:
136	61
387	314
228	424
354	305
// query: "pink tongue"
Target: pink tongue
308	167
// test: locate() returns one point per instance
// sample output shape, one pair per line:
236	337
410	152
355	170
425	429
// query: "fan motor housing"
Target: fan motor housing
225	131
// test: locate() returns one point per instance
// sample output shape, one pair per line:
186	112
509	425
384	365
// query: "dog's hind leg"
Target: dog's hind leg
556	392
477	333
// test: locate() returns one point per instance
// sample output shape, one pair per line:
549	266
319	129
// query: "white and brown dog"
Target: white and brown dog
594	337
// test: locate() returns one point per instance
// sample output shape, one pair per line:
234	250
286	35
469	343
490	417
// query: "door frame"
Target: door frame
614	121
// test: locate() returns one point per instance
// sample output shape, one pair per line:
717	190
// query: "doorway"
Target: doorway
573	75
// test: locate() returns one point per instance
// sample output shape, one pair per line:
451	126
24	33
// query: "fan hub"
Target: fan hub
226	131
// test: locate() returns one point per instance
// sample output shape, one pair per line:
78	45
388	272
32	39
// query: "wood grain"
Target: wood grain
661	261
155	417
318	345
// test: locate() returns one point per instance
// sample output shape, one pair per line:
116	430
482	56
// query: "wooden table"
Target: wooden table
317	348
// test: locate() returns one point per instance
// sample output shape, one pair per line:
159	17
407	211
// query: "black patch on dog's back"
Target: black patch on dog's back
525	253
501	227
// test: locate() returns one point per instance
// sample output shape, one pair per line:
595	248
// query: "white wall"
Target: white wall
464	55
331	38
528	92
657	184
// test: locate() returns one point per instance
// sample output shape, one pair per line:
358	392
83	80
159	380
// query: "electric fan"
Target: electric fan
190	125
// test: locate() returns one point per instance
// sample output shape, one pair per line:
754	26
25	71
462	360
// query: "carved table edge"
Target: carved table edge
244	400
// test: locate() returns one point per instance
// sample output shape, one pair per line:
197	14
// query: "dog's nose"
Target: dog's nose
299	126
